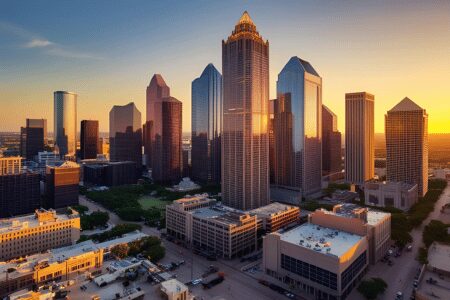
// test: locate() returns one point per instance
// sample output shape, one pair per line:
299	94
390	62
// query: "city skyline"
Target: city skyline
381	60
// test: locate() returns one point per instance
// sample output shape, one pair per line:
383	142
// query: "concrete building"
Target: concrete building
173	289
245	138
359	137
298	129
33	138
390	194
45	229
374	225
275	216
10	165
109	173
406	128
331	142
61	185
65	123
318	262
89	142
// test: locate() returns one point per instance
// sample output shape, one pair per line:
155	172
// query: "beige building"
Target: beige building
390	194
406	128
38	232
172	289
316	261
275	216
374	225
10	165
359	137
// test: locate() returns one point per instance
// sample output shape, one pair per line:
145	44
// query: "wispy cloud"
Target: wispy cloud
35	41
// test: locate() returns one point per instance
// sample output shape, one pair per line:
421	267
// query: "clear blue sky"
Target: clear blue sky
107	51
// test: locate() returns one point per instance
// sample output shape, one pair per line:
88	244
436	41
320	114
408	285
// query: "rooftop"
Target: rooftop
271	209
321	239
439	257
223	214
406	105
348	210
173	286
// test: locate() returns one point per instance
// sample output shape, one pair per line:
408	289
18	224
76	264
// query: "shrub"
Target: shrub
371	288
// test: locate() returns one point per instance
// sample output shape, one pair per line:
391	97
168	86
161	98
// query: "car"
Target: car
196	281
416	283
409	248
399	296
289	295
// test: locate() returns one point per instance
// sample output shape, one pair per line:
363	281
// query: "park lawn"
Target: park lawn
148	202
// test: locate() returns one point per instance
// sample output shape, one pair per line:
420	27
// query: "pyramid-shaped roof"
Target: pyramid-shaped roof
245	18
158	79
406	105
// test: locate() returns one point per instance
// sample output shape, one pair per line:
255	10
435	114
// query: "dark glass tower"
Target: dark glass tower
33	138
245	138
207	126
331	146
89	139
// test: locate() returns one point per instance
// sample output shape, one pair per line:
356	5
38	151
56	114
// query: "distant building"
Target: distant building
272	141
185	185
33	137
125	134
187	168
359	137
331	142
43	230
89	142
110	173
316	261
207	126
10	165
65	123
48	158
390	194
406	128
62	185
275	216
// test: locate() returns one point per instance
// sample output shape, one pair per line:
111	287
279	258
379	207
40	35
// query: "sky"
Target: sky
107	52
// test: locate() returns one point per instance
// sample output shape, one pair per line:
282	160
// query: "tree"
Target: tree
120	251
371	288
435	231
155	253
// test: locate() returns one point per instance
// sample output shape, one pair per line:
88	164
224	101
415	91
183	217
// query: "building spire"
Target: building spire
245	18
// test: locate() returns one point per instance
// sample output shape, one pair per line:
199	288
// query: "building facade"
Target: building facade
359	137
65	122
10	165
207	126
245	140
89	142
272	141
62	185
110	173
406	128
331	143
391	194
298	129
33	137
275	216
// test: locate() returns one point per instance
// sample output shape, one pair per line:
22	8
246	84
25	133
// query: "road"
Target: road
400	276
237	284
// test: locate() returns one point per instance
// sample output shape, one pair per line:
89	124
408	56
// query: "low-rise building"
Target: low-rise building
173	289
45	229
318	262
275	216
390	194
109	173
374	225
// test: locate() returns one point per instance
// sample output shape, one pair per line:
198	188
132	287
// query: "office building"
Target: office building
207	126
43	230
359	137
391	194
109	173
218	229
245	139
374	225
89	142
186	166
271	141
125	134
175	290
275	216
331	143
316	261
62	185
298	131
10	165
65	123
406	128
33	137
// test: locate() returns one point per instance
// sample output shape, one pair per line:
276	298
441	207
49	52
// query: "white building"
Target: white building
391	194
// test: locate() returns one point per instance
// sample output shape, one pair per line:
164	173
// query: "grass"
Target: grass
148	202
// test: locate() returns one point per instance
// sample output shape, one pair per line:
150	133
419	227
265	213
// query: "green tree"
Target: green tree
120	251
155	253
371	288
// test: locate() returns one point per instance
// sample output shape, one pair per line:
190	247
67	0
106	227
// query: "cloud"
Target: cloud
36	43
61	52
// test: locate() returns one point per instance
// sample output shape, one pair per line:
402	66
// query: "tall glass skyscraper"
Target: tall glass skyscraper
245	141
207	126
298	129
65	122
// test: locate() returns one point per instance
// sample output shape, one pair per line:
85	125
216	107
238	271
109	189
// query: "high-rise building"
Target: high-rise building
272	141
89	141
10	165
359	137
245	138
406	128
62	185
297	130
207	126
331	142
125	134
65	122
33	138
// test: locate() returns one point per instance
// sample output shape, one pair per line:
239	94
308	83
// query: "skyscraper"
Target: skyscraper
407	144
89	141
61	185
245	141
298	131
359	137
272	141
33	137
65	122
125	134
331	142
207	126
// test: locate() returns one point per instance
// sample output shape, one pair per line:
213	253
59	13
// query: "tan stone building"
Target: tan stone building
390	194
275	216
36	233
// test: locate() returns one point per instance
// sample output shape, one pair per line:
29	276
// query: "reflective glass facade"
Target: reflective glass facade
89	142
297	128
207	126
65	122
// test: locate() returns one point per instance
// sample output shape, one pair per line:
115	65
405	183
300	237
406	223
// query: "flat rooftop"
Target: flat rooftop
439	257
321	239
271	209
220	213
173	286
346	210
28	221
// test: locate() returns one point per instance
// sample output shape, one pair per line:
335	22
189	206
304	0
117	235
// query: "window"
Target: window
350	273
